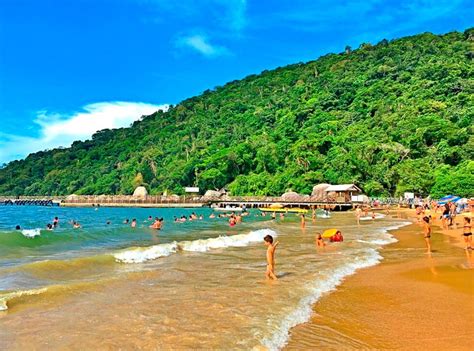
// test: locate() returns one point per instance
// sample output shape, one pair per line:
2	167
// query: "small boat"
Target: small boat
228	209
323	215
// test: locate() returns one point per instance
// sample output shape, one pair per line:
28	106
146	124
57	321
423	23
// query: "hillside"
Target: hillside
393	117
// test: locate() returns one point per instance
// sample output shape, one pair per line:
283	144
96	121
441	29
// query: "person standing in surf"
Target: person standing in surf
467	233
358	213
303	223
427	233
271	247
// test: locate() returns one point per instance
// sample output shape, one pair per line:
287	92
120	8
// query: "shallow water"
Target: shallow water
192	285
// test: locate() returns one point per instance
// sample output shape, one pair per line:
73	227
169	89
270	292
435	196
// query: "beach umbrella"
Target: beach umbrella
329	232
448	198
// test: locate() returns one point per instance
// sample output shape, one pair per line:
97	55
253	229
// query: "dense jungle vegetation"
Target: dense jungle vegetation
392	117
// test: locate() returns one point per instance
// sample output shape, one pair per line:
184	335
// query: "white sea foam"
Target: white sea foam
317	288
146	254
369	218
31	233
4	299
380	242
334	277
226	241
138	255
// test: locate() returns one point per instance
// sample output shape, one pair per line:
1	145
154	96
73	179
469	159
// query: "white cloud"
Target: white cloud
201	44
57	130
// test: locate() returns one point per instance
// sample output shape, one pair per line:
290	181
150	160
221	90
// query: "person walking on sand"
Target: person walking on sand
427	233
467	233
271	247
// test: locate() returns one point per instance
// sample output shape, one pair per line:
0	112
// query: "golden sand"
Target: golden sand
411	301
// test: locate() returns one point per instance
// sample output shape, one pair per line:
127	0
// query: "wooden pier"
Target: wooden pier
158	201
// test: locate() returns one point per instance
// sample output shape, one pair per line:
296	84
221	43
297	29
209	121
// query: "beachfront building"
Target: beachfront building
342	192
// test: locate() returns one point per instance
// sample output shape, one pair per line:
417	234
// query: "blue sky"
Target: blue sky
71	67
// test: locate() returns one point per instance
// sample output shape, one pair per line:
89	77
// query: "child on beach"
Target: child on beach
271	247
427	233
467	233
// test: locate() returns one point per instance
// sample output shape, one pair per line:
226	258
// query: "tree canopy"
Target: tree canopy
392	117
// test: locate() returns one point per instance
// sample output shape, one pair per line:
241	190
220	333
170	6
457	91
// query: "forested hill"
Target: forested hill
391	117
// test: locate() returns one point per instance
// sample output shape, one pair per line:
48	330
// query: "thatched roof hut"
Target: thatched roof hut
291	196
212	194
319	192
140	192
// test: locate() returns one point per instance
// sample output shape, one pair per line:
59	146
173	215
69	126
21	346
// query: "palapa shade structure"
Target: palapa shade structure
291	196
140	192
319	191
212	194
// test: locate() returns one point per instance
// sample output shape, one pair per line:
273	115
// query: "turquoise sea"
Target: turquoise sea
196	284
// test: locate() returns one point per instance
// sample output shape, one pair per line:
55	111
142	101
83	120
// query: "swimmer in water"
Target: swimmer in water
157	224
320	241
134	223
17	227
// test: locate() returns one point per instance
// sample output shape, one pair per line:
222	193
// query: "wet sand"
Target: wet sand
411	301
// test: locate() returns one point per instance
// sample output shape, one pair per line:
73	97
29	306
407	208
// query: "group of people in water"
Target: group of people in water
447	216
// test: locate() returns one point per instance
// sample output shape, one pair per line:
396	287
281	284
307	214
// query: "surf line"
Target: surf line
140	255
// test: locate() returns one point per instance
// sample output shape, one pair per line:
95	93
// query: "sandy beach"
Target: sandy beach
411	301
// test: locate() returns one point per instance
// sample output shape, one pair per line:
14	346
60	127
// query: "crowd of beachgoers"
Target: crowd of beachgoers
427	212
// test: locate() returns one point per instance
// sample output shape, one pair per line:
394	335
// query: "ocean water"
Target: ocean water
196	284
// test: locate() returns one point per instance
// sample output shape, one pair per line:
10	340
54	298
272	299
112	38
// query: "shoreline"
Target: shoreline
368	313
